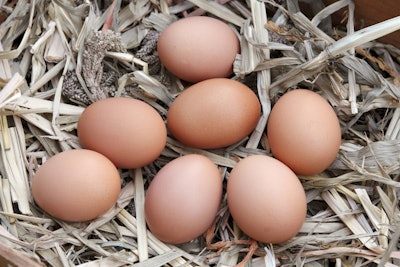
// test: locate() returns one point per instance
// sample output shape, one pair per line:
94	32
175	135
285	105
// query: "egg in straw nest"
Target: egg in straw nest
57	58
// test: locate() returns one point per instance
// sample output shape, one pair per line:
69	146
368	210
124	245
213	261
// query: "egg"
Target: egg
304	132
128	131
198	48
213	113
266	199
76	185
183	199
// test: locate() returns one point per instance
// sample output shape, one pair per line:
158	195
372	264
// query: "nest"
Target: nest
57	57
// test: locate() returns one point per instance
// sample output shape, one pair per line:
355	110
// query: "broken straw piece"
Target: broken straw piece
363	36
11	88
55	51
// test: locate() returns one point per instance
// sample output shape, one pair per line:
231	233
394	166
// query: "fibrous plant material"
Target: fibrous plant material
147	51
100	84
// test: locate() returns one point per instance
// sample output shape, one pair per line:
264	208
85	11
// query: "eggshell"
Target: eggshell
183	199
198	48
304	132
214	113
128	131
76	185
266	199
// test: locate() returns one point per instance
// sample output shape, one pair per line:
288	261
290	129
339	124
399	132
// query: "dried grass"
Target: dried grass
48	76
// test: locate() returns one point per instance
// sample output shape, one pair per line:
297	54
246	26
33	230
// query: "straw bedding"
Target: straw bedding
58	56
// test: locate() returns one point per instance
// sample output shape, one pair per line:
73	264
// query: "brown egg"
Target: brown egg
214	113
183	199
130	132
266	199
198	48
76	185
304	132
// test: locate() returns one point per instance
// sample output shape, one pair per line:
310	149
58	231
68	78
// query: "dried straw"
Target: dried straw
52	66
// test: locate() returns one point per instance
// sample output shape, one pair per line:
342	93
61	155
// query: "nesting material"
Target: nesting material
57	57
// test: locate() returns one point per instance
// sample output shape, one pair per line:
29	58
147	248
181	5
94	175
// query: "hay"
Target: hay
52	66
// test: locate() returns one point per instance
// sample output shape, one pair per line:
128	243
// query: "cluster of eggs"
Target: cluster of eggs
264	195
82	184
